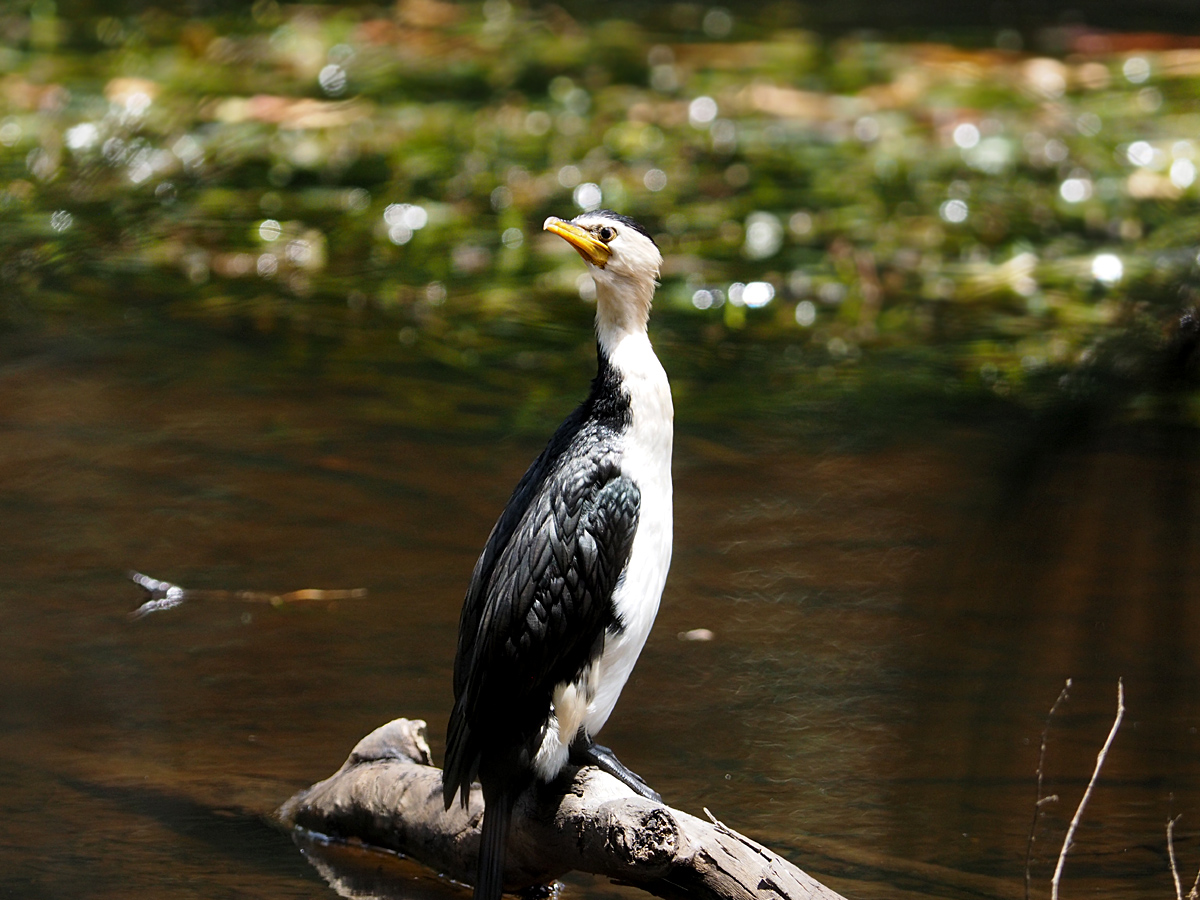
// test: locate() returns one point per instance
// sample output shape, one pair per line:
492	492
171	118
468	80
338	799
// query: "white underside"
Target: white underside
646	460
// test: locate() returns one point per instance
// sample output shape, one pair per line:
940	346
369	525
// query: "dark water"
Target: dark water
890	627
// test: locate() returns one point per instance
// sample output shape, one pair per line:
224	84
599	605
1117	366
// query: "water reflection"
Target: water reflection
360	874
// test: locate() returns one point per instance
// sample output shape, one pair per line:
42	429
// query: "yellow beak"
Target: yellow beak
591	248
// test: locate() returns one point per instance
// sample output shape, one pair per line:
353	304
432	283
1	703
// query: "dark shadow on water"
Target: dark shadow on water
233	836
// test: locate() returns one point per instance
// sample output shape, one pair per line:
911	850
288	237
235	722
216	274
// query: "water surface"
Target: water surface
889	625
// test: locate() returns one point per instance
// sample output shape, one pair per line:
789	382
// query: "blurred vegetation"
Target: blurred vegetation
848	223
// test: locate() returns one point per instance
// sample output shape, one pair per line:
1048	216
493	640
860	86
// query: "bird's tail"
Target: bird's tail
493	843
457	771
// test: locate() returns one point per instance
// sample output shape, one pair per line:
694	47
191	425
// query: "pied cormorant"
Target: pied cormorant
563	596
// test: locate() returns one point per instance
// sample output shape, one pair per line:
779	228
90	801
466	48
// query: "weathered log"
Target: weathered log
388	795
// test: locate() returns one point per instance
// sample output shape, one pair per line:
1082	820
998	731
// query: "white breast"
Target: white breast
646	460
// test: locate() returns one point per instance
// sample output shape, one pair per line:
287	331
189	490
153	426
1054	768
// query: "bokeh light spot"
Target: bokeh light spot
1136	69
1075	190
1183	173
954	211
718	22
1107	268
569	176
966	135
702	111
764	235
806	313
588	196
866	129
1140	153
758	294
408	215
333	80
83	136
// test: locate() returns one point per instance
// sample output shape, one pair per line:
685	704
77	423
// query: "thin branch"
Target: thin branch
1171	855
1041	772
1087	794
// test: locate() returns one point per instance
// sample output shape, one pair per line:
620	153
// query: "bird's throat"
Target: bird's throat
622	310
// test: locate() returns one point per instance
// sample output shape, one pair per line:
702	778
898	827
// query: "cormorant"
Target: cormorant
567	587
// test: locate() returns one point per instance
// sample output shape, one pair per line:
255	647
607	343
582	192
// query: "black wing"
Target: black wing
537	610
514	511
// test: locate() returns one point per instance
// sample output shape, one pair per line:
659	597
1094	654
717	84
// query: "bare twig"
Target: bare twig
163	595
1041	772
1171	855
1194	893
1100	757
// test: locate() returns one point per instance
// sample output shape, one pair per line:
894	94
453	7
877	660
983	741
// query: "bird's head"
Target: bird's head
624	263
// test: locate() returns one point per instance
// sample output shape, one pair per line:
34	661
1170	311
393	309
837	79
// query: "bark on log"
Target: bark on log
389	795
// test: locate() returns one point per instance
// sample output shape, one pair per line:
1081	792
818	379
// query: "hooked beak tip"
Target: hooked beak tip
593	250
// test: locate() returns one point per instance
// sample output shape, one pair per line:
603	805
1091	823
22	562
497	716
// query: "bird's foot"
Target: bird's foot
589	753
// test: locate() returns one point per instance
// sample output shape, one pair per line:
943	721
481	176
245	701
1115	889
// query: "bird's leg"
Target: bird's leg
586	752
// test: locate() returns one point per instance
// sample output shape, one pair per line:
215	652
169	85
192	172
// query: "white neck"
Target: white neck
622	309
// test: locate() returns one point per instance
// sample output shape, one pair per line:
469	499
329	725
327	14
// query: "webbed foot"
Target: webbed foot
586	752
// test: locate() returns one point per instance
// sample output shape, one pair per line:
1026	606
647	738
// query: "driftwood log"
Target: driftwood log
389	795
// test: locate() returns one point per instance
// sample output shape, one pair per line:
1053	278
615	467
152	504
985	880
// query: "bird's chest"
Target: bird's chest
646	449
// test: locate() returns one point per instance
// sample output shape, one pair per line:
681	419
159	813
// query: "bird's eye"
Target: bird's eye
607	234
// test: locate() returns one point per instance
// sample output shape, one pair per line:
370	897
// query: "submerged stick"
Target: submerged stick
387	795
1194	893
163	595
1171	856
1041	772
1100	757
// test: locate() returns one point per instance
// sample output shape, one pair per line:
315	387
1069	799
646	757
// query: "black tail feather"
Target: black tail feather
493	844
455	778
